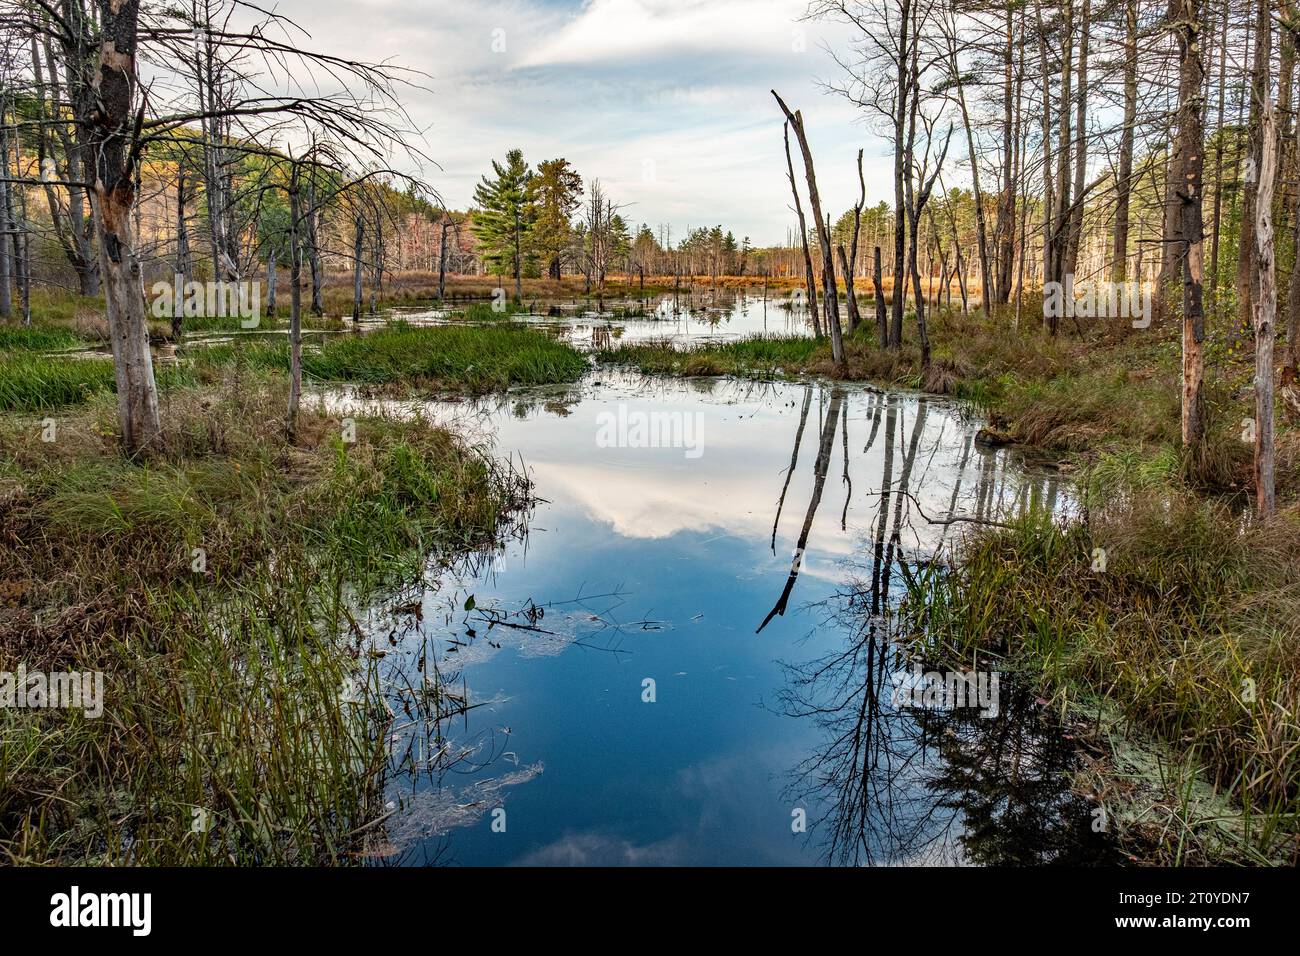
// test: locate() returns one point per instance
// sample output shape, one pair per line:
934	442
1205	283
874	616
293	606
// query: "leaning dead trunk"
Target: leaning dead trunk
849	266
823	234
803	237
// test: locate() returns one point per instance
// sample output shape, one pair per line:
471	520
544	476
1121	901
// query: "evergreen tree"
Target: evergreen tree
503	222
558	191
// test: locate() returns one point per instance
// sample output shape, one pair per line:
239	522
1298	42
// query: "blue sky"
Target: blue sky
667	102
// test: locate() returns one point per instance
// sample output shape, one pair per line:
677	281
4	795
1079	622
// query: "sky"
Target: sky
667	102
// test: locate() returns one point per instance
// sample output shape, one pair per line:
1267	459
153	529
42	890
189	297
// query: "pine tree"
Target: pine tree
507	210
558	190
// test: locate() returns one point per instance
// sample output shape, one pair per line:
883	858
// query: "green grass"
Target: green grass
37	338
764	356
455	358
1188	635
486	312
468	359
32	382
223	687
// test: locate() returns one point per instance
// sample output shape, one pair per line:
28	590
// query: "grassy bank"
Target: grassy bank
214	589
1179	651
398	358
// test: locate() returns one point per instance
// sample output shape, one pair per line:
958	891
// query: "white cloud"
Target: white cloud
619	30
609	83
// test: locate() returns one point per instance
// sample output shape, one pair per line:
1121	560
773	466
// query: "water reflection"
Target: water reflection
757	600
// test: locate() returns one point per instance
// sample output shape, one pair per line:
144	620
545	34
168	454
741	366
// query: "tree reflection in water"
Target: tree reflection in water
894	784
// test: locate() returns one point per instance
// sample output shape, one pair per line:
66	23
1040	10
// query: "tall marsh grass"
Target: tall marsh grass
243	722
1190	630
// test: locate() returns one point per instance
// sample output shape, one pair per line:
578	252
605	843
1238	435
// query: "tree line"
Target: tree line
1103	140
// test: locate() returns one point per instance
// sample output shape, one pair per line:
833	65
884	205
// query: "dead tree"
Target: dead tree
829	289
1188	160
803	235
1265	304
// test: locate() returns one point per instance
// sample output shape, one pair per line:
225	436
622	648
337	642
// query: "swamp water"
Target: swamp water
684	656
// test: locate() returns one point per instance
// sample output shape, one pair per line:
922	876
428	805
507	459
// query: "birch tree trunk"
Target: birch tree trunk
1265	306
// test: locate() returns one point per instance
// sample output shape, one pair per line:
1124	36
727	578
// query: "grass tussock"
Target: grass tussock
241	720
31	382
1189	633
764	356
452	358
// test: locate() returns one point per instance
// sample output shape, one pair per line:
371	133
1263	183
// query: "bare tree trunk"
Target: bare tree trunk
981	230
8	227
357	252
295	309
882	316
1074	236
183	266
803	237
1246	270
1218	160
1189	159
23	258
1005	229
66	204
272	272
1265	306
1123	181
1049	187
442	261
902	164
851	301
851	295
114	145
313	249
823	234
